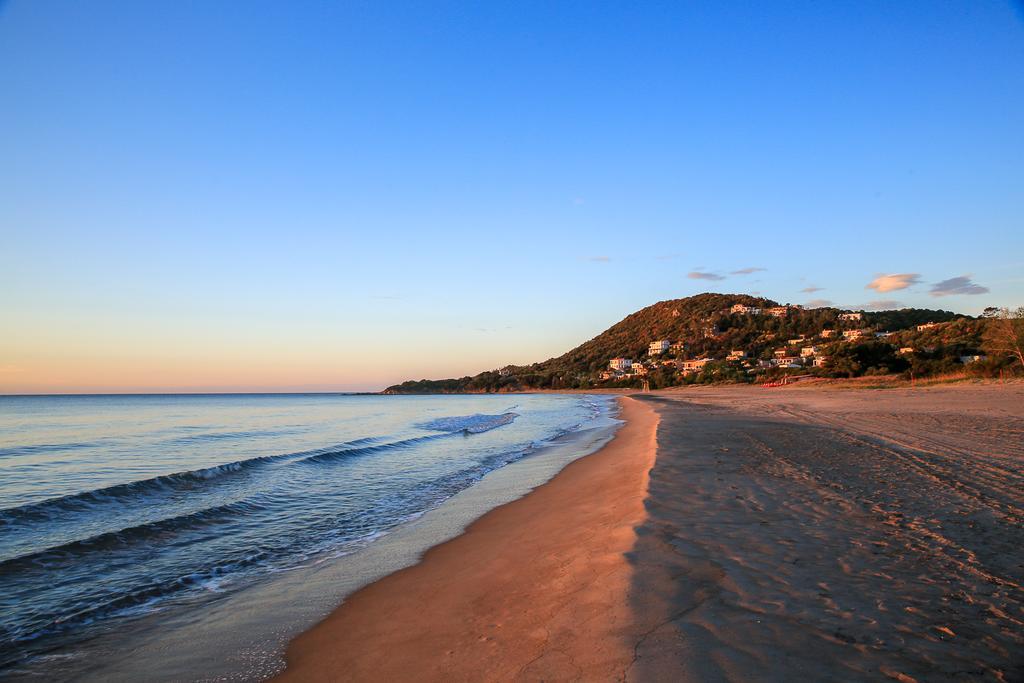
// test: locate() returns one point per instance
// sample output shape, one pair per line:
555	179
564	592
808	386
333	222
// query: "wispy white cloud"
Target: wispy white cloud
893	282
747	271
879	305
958	285
699	275
811	290
600	259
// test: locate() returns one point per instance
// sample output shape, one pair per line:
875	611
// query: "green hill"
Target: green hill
705	327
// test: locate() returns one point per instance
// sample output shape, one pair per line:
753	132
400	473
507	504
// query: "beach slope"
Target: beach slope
535	589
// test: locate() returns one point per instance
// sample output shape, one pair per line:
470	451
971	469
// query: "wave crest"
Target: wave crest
469	424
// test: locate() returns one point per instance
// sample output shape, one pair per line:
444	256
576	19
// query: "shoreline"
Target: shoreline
461	612
241	633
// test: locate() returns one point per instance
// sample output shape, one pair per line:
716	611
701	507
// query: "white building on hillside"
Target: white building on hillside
743	309
620	364
695	365
656	348
851	316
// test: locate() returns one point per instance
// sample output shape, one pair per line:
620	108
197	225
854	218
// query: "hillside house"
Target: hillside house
781	353
694	365
851	317
809	351
656	348
736	354
505	371
826	334
678	348
638	369
787	362
972	359
798	340
926	326
620	364
852	335
820	361
906	349
743	309
778	311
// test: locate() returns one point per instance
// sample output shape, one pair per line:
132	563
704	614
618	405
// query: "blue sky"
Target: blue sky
272	195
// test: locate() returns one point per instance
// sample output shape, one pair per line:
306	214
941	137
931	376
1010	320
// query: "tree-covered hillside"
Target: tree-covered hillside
701	326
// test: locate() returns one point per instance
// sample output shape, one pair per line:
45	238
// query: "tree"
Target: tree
1004	332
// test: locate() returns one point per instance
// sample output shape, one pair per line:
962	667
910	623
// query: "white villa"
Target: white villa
850	335
808	351
906	349
743	309
851	316
926	326
695	365
820	361
656	348
620	364
778	311
736	354
825	334
787	362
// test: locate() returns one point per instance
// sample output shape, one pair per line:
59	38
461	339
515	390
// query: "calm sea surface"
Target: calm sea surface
114	506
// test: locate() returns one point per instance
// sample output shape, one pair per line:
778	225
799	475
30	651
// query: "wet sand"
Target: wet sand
782	535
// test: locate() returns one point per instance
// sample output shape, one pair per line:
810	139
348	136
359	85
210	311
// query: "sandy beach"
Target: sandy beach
728	534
